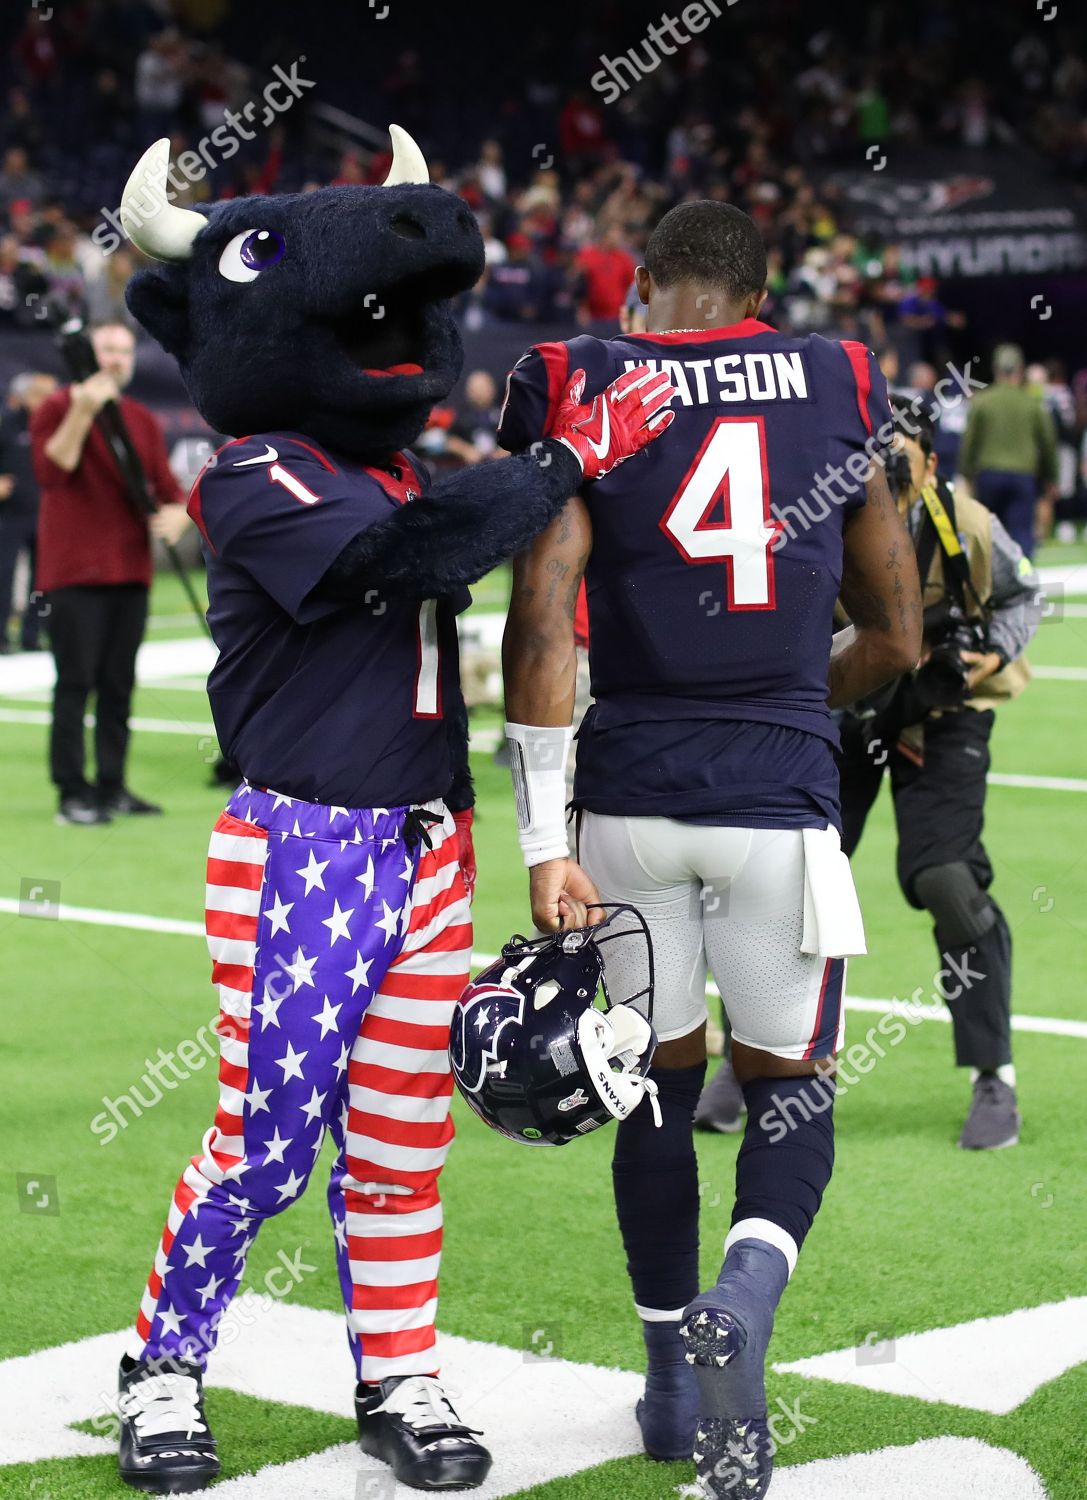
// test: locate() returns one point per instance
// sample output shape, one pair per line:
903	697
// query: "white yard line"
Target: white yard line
1038	783
139	922
1060	674
1072	577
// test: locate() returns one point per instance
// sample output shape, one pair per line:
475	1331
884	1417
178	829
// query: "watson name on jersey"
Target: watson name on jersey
712	578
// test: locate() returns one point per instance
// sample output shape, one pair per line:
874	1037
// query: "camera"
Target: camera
941	682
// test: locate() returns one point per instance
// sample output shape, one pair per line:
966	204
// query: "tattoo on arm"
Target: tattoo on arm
574	586
556	571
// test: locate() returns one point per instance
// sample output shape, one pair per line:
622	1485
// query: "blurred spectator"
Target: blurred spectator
23	286
104	287
491	172
20	125
606	269
161	70
925	319
1009	450
516	289
63	271
19	504
35	50
109	109
17	181
581	133
94	565
1049	382
477	420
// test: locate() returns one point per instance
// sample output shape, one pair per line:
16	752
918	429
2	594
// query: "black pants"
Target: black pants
95	633
18	533
939	811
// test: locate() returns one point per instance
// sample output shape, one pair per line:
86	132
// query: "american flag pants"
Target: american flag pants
340	943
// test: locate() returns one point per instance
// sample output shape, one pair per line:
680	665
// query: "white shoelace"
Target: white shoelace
164	1404
419	1402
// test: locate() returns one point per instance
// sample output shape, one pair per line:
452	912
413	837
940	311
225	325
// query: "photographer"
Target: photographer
94	565
931	731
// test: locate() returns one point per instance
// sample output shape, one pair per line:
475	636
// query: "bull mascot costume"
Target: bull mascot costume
317	330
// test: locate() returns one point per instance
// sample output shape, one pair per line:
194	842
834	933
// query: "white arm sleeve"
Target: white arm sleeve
538	763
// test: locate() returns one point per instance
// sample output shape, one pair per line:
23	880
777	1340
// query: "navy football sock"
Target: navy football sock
785	1161
655	1174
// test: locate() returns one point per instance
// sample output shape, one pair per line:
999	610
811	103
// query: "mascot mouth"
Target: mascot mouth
383	339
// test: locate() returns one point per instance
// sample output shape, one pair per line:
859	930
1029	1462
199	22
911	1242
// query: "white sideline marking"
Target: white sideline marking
99	918
96	917
147	726
483	741
964	1467
188	658
988	1364
1047	1025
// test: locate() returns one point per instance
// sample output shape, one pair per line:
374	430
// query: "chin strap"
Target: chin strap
649	1087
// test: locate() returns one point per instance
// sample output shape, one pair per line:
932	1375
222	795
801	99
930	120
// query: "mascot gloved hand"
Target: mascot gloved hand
317	330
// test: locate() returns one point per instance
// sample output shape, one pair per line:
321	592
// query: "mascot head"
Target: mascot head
326	313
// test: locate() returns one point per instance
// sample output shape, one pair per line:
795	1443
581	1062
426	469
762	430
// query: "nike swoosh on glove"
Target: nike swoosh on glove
620	422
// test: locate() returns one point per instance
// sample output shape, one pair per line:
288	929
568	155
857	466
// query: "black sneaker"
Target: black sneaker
82	809
409	1422
124	804
993	1121
721	1104
166	1448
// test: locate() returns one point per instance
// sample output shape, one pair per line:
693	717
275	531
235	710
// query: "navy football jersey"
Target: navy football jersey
318	700
716	561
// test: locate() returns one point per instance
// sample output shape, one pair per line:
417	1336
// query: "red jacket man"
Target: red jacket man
94	566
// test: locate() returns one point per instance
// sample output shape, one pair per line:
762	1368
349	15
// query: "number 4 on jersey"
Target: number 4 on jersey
730	469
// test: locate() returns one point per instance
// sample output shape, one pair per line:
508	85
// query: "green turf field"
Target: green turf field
913	1236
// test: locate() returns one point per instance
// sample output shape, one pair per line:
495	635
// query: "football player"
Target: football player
706	791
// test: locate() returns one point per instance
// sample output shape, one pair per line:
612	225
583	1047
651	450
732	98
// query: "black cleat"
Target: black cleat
166	1448
124	804
81	811
726	1332
409	1422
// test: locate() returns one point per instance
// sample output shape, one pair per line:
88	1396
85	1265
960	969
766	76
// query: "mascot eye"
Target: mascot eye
250	253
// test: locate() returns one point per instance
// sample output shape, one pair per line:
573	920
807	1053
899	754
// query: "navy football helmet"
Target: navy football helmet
535	1057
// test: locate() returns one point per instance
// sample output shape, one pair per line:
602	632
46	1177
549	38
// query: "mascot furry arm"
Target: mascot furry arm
328	315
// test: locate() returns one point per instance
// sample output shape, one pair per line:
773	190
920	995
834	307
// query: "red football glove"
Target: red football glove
619	423
467	856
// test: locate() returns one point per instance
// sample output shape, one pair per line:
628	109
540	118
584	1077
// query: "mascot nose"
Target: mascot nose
407	227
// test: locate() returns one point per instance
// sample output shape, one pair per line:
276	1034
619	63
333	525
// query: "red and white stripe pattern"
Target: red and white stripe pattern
399	1128
236	859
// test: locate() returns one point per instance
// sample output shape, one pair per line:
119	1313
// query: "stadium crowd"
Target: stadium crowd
565	219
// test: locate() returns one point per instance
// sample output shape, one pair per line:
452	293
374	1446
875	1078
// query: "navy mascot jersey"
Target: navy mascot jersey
716	562
320	701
